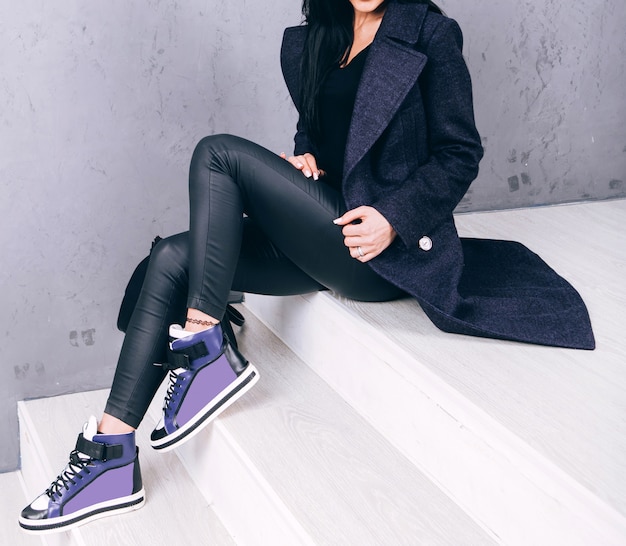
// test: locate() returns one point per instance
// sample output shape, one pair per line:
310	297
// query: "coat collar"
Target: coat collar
390	72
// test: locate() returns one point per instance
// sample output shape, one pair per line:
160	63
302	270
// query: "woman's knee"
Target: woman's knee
210	145
170	256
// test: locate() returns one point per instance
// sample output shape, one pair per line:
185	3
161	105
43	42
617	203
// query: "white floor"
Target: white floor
12	501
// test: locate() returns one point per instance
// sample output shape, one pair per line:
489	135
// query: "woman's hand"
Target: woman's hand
305	163
369	236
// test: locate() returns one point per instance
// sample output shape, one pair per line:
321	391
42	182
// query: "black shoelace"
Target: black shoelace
171	389
69	474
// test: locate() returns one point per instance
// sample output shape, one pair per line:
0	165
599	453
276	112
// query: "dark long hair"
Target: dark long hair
328	43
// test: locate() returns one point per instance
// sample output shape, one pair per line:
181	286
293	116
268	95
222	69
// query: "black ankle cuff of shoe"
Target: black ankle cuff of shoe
97	451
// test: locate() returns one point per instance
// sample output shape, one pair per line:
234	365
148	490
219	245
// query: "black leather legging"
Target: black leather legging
287	244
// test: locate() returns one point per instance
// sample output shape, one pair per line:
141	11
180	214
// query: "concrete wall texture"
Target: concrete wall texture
102	104
549	82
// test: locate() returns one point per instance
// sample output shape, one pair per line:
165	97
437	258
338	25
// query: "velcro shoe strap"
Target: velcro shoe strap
182	358
97	451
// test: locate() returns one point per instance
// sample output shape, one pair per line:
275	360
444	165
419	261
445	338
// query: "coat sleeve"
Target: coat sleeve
430	194
302	142
290	54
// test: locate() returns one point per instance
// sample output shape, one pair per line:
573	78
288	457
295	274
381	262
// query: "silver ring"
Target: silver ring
360	251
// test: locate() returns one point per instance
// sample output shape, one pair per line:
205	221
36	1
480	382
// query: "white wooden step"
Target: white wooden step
12	501
292	463
175	511
531	441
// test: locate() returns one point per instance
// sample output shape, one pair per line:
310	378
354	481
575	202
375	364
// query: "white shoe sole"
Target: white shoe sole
217	405
91	513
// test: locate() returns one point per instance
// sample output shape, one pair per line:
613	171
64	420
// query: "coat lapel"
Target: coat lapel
391	70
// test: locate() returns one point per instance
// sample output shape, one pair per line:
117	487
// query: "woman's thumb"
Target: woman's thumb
349	216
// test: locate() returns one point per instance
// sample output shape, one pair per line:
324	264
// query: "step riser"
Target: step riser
37	475
494	476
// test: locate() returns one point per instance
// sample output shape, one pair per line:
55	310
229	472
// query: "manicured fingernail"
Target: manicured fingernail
316	175
307	173
336	220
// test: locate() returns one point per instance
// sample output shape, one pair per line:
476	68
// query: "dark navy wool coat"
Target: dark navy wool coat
412	152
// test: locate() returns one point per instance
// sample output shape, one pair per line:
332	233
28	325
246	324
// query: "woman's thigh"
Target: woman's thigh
263	269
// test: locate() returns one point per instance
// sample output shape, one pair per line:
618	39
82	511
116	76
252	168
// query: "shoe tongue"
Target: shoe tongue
177	332
90	428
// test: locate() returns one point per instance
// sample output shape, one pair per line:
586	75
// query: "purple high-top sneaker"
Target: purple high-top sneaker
102	478
207	374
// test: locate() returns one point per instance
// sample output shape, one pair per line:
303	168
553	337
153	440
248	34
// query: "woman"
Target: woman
385	148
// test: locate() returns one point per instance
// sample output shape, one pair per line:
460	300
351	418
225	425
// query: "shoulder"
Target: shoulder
294	38
292	46
291	50
439	34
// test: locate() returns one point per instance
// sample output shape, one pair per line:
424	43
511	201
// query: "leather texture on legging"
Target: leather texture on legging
286	244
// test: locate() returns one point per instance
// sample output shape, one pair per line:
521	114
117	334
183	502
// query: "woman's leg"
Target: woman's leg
82	492
162	302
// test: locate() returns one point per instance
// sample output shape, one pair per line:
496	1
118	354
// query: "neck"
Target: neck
363	19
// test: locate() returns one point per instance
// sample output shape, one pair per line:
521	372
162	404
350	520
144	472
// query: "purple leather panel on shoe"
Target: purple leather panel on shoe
112	484
207	384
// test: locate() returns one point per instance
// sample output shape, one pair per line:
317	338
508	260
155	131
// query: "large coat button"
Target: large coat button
425	243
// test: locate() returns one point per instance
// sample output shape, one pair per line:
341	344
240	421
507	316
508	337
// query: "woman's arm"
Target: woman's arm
430	194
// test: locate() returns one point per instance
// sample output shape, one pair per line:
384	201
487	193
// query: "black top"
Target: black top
336	104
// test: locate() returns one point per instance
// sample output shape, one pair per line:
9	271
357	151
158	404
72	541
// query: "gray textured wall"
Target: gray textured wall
549	84
102	104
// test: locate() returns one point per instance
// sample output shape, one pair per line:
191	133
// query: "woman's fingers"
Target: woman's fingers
361	250
358	251
312	169
363	253
309	165
366	232
305	163
350	216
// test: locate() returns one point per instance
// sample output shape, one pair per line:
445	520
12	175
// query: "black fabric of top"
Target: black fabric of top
336	104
